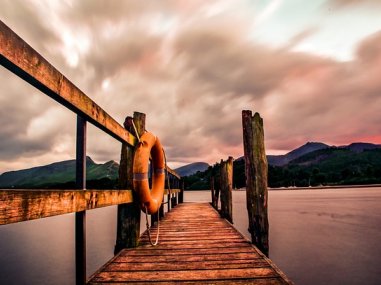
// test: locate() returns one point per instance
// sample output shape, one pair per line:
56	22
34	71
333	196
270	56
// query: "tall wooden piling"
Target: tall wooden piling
256	179
128	220
226	172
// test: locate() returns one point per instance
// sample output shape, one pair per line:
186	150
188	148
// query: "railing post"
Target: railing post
181	194
173	199
161	210
212	191
80	217
169	201
178	187
226	189
256	179
128	220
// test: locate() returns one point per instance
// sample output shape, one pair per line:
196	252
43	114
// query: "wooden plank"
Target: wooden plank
262	281
21	59
191	275
23	205
191	257
185	256
188	251
196	244
202	265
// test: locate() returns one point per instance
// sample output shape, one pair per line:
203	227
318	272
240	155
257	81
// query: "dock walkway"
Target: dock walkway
196	246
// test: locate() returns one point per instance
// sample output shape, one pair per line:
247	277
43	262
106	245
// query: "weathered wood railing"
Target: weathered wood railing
23	205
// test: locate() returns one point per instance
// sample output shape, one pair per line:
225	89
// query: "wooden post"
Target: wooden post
181	194
128	220
173	186
169	201
174	194
217	181
177	194
256	179
212	191
226	189
161	210
80	217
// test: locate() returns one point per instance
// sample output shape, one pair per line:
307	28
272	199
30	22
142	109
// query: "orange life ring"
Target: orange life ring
149	145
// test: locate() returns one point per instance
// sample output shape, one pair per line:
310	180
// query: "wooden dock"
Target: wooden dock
196	246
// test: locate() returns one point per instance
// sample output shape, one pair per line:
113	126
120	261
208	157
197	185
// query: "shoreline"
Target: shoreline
318	187
325	187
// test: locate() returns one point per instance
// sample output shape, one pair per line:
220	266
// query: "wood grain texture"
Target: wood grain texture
26	204
128	217
196	246
23	205
265	281
256	179
226	182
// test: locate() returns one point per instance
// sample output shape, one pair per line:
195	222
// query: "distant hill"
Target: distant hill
312	164
360	147
280	160
60	174
192	168
330	166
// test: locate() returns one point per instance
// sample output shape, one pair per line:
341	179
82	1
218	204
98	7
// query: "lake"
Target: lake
328	236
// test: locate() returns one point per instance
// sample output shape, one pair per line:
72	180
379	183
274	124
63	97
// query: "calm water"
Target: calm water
316	237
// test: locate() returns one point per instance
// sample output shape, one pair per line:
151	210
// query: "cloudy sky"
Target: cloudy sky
312	69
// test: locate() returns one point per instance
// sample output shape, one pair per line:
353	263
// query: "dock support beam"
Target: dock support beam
226	170
128	220
256	179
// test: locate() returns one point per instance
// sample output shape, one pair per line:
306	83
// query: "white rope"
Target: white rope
149	229
136	131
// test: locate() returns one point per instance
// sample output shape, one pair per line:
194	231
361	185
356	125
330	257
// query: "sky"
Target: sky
312	69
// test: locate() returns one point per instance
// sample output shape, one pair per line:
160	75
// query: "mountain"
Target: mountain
312	164
59	174
280	160
192	168
330	166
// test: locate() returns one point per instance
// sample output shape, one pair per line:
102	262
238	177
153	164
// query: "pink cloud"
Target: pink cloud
194	81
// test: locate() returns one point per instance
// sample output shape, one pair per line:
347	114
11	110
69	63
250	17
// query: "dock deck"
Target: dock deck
196	246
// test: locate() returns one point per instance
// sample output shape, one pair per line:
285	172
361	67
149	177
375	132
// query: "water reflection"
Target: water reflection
316	237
